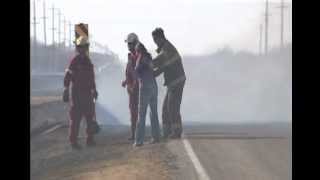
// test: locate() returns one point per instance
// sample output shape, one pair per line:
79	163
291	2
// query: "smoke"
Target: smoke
229	87
225	87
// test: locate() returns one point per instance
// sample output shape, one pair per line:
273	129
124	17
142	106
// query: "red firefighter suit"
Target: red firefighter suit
80	75
133	90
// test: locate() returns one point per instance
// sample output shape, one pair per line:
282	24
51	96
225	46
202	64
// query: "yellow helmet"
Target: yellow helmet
81	41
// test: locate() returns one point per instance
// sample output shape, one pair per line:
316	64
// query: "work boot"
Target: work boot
76	146
154	141
131	138
137	144
175	136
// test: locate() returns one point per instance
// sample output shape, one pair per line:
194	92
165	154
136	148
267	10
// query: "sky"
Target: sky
195	27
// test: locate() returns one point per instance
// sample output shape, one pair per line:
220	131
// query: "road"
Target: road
244	152
207	151
222	156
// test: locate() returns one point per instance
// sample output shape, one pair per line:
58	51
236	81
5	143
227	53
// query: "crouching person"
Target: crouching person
148	95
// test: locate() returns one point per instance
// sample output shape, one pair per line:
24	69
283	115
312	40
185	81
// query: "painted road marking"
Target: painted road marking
52	129
202	174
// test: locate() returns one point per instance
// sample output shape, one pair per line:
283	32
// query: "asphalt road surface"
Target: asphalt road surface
244	152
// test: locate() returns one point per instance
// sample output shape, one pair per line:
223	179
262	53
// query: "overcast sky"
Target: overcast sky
193	26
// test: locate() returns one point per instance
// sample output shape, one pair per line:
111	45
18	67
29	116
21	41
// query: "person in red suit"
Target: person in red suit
131	81
80	77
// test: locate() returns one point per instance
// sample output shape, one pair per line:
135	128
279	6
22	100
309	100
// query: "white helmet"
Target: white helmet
132	37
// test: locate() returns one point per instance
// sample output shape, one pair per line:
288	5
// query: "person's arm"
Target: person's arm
66	82
125	82
94	89
159	59
157	72
157	63
68	76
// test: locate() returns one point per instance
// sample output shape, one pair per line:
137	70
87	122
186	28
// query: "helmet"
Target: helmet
81	41
132	37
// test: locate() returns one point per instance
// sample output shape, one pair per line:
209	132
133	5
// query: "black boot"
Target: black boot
154	141
131	138
76	146
91	143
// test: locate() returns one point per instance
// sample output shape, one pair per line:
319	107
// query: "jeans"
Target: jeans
147	97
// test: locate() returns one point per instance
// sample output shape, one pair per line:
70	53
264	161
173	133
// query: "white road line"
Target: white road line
202	175
52	129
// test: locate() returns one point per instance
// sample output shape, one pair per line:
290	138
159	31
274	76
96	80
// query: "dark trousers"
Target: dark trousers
76	113
133	106
171	117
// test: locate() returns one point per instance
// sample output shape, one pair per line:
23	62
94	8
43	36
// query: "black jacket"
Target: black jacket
169	62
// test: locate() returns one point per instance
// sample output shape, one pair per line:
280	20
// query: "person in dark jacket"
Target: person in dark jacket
80	76
148	95
131	81
169	62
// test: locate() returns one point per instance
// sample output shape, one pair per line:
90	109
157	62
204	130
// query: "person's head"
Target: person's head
158	36
132	40
82	45
140	48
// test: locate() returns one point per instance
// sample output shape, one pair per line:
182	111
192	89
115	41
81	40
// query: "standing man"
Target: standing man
131	81
80	75
169	62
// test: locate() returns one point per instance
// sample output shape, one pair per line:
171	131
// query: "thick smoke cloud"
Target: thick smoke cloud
225	87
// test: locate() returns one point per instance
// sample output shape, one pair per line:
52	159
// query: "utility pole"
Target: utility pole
52	61
44	24
266	27
59	28
282	6
34	62
34	22
64	31
53	28
70	35
260	40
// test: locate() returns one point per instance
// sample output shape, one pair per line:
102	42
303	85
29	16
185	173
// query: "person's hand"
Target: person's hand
130	89
65	96
123	84
157	72
95	94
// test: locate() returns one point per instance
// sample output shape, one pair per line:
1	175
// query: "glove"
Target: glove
123	84
95	94
65	96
